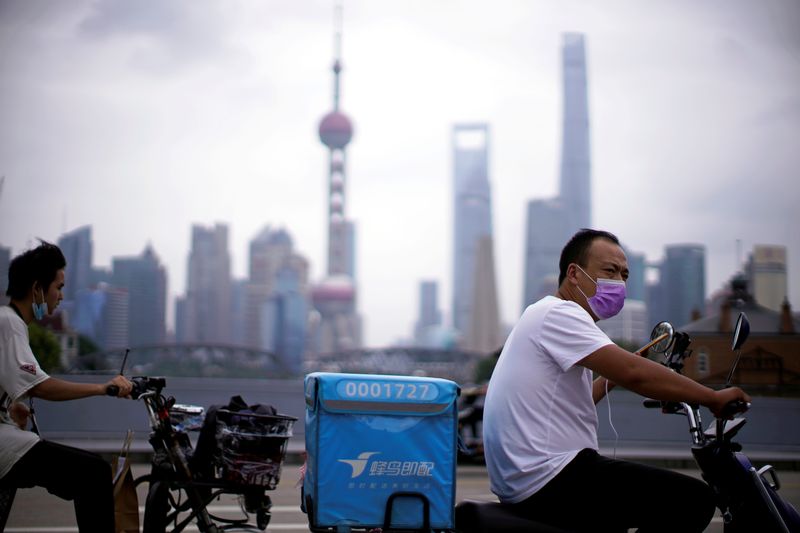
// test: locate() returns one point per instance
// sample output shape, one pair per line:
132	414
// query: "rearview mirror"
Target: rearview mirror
740	332
661	329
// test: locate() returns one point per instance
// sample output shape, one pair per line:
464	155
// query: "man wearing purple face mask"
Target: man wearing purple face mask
540	420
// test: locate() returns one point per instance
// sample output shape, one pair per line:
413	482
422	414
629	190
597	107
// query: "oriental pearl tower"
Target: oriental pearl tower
335	297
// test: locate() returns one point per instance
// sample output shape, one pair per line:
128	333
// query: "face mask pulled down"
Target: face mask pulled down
609	297
39	310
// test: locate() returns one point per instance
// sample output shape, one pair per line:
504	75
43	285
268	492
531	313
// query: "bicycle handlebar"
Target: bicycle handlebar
141	384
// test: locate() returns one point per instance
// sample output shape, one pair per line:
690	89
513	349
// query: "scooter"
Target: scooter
747	497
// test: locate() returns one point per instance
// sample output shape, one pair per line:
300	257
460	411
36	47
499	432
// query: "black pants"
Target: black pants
71	474
598	494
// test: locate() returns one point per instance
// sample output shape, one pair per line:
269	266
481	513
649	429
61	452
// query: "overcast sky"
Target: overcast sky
142	118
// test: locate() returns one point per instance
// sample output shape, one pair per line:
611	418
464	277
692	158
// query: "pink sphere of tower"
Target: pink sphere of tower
335	130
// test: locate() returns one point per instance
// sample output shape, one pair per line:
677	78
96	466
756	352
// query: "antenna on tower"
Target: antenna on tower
337	51
337	30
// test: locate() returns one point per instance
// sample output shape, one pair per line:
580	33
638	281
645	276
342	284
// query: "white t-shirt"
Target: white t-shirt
539	411
19	372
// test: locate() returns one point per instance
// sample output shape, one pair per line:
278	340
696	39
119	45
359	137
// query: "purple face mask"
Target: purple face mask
609	297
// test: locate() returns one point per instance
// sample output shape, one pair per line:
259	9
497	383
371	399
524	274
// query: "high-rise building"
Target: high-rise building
101	313
766	270
239	311
340	325
5	261
483	333
430	317
146	281
576	182
683	280
637	269
551	222
284	318
77	249
547	234
278	282
472	214
208	293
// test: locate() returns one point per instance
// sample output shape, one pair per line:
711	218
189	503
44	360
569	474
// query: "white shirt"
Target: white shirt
19	372
539	411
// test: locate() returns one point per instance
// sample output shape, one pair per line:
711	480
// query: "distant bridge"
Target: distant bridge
458	365
230	360
195	359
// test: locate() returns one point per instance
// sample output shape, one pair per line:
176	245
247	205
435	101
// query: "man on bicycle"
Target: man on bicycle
35	283
540	420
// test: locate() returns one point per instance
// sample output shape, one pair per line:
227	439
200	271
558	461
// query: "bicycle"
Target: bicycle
247	463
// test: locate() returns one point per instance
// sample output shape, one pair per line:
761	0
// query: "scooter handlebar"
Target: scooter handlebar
112	390
735	407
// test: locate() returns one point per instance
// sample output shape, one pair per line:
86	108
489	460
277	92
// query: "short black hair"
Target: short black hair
577	249
39	264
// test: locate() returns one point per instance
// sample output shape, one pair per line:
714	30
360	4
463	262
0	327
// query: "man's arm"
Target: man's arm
656	381
57	390
601	385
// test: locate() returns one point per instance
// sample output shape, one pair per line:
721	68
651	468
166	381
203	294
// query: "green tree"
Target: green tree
484	369
86	345
45	347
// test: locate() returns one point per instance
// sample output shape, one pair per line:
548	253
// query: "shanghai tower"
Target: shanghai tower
552	221
576	192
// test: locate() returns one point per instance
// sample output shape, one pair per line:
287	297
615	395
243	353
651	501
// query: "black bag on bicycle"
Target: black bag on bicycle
205	453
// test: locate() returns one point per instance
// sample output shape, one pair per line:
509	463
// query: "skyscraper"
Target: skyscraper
208	292
101	313
576	183
683	280
483	333
547	234
146	282
635	285
284	318
277	296
551	222
429	314
472	214
335	296
77	249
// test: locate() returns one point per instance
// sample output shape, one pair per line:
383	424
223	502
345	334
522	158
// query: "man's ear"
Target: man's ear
572	273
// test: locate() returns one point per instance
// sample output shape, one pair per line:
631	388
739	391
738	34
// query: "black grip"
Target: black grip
734	407
652	404
112	390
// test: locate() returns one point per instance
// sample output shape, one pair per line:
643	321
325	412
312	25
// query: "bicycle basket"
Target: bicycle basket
251	447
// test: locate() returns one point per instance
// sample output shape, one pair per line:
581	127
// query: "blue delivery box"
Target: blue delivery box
381	452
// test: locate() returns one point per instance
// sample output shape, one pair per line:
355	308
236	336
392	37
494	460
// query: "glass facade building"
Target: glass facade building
472	213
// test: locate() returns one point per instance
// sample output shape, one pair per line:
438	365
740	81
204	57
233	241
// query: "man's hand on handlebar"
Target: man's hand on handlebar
119	386
728	402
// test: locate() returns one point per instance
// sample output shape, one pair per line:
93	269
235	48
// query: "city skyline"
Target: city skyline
142	122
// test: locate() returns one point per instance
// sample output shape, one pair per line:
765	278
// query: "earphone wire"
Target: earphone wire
616	435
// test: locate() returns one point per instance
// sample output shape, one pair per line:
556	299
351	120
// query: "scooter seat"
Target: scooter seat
494	517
